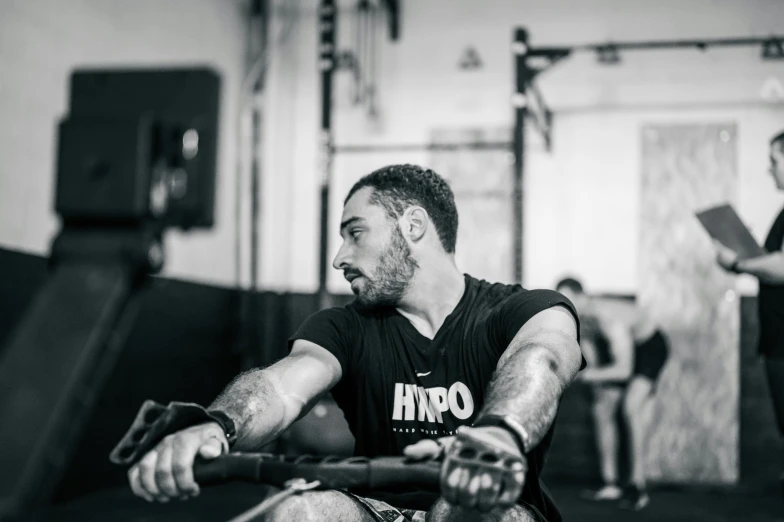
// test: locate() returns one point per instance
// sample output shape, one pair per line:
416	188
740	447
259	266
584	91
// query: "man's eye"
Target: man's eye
355	233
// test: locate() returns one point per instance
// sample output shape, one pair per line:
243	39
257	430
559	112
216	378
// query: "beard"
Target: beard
391	278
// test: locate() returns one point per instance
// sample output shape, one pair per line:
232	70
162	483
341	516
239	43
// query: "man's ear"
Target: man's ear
415	223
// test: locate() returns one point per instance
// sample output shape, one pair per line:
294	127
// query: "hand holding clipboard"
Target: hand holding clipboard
724	226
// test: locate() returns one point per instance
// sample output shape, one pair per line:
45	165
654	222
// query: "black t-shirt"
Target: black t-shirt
399	387
771	300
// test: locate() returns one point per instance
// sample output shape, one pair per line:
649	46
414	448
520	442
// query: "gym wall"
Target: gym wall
420	90
599	110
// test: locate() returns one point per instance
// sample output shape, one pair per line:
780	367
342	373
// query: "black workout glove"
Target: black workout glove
154	421
483	469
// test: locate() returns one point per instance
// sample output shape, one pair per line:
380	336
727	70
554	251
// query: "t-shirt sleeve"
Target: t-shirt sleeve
519	307
332	329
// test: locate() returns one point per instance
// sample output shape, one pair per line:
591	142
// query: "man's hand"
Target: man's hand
483	467
725	257
166	472
428	448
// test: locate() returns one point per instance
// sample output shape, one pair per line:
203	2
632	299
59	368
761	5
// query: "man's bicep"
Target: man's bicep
552	334
306	374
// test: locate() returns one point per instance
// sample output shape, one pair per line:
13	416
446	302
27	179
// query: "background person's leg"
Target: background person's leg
636	408
606	401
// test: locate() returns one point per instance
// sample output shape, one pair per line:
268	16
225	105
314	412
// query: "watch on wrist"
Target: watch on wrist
226	424
511	425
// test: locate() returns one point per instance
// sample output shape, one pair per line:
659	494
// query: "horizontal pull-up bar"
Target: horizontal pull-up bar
670	44
418	147
772	47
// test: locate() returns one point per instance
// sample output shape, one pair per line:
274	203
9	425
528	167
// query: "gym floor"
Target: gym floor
679	505
224	502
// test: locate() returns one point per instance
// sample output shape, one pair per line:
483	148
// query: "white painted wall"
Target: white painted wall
599	111
583	199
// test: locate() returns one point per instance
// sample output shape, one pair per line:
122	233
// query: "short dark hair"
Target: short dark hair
570	283
397	187
778	139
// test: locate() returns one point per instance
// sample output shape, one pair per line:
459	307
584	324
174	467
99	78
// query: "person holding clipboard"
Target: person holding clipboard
767	265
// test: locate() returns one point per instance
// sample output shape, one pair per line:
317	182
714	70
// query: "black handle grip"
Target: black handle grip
227	468
330	471
392	471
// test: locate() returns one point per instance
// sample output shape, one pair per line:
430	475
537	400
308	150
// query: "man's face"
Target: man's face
374	256
777	163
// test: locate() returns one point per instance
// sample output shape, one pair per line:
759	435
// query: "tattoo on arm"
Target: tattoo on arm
256	409
530	380
263	403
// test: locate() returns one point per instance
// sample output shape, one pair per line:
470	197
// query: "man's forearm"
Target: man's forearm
263	403
258	411
528	386
769	269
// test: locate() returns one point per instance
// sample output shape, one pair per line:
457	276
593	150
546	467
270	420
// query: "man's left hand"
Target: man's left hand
483	469
725	256
428	448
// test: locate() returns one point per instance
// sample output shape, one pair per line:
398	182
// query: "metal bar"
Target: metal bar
327	30
393	14
556	53
519	102
251	323
675	106
421	147
672	44
253	85
540	113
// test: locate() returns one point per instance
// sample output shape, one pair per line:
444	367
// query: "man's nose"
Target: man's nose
341	258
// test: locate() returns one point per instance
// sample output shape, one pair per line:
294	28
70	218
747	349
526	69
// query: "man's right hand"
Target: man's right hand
166	472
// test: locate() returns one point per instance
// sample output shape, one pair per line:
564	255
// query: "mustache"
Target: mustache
351	273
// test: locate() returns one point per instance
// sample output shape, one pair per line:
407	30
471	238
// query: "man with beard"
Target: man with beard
422	351
769	270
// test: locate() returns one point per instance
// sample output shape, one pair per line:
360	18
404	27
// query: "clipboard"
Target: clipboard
724	225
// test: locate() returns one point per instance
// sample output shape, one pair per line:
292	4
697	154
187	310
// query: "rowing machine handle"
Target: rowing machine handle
333	473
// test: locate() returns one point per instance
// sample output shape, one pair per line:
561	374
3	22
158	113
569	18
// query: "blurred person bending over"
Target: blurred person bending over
422	351
626	352
769	270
